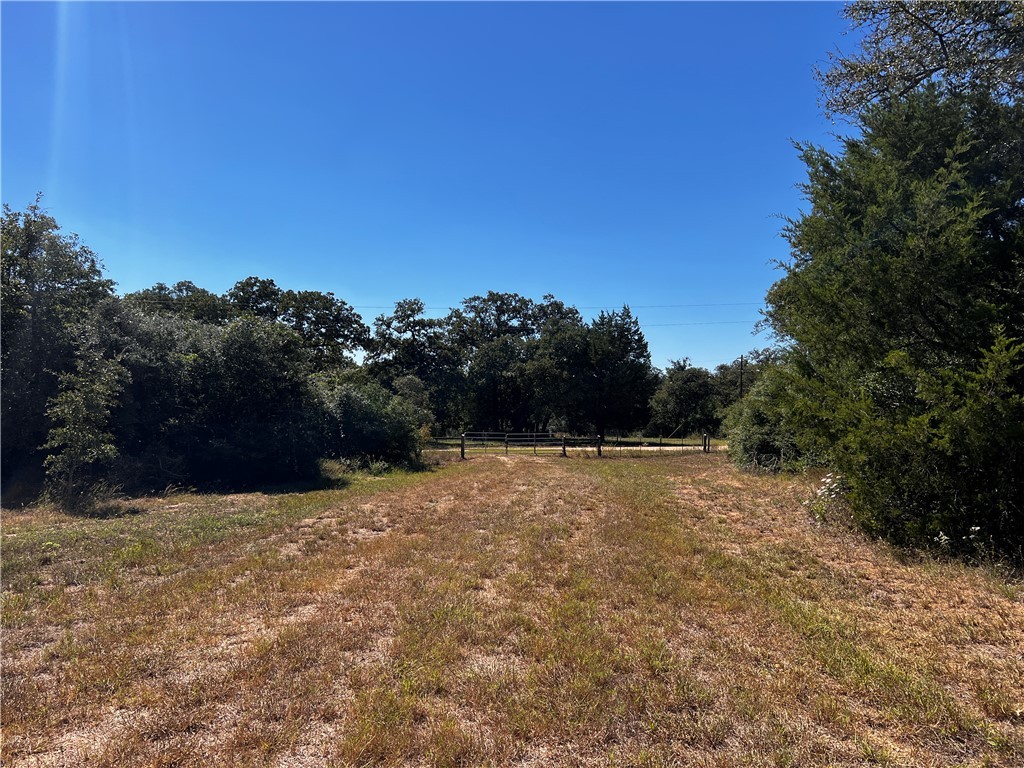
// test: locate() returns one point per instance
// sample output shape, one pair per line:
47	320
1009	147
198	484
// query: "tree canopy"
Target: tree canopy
50	283
966	46
177	385
901	310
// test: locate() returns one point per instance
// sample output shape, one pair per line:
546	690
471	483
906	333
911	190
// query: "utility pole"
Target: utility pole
741	377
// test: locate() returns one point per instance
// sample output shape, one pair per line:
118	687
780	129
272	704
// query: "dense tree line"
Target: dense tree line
177	385
901	310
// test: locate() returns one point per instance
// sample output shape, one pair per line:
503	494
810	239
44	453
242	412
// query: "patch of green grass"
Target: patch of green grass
76	550
909	696
571	683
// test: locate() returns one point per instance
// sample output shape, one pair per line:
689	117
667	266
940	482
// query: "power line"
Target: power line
712	322
605	306
676	306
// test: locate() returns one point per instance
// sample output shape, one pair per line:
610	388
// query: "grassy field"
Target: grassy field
649	611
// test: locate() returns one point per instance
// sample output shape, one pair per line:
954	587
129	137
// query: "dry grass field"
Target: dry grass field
648	611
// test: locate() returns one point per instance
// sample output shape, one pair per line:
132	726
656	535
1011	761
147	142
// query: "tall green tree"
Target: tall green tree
155	424
184	298
910	266
684	402
914	238
499	397
560	372
49	283
499	333
256	296
330	329
408	343
623	377
252	407
483	319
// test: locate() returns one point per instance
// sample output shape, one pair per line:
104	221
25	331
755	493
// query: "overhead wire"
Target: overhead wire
138	300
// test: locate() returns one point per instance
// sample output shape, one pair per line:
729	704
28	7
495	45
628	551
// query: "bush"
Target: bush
760	428
365	422
943	465
80	446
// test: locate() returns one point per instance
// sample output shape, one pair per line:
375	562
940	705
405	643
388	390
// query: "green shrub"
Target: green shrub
80	445
365	422
759	427
252	415
944	465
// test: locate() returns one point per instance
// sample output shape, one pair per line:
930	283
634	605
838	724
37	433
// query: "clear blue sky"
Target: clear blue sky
606	153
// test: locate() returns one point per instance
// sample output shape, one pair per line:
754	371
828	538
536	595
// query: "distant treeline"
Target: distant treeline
181	386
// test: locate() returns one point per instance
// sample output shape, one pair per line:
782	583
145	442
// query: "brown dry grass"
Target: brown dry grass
664	610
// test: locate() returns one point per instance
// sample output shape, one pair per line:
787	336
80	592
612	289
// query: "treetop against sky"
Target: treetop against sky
606	153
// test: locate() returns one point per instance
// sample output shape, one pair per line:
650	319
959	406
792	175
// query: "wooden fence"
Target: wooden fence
537	443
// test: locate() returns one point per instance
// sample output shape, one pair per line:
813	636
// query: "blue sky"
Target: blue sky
608	153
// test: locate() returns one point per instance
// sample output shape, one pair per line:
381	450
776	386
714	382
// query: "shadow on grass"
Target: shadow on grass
107	501
324	482
110	510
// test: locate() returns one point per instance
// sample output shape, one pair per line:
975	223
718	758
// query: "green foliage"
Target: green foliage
80	444
903	303
487	318
689	400
941	457
366	422
684	402
155	421
760	427
49	283
504	362
914	240
414	392
624	379
329	328
210	405
185	298
407	343
560	372
499	390
256	296
251	410
185	387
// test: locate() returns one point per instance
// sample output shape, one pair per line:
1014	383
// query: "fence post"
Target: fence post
506	443
599	441
462	447
534	443
563	446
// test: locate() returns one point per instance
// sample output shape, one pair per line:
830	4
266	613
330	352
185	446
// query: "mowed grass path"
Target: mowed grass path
663	610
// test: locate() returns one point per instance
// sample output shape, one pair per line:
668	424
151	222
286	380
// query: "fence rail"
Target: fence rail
537	443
